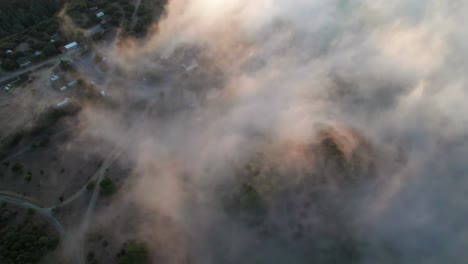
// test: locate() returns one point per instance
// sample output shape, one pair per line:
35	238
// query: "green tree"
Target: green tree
107	186
9	65
134	253
28	178
50	50
90	186
17	168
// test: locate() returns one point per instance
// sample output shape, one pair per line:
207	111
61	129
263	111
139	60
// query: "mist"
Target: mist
227	95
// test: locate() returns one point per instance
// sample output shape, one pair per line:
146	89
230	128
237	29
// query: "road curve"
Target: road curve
45	212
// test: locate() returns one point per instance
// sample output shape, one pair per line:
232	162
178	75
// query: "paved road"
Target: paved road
33	67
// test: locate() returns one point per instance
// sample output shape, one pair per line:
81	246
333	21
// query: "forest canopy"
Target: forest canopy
18	15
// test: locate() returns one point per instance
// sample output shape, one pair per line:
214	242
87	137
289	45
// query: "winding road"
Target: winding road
45	212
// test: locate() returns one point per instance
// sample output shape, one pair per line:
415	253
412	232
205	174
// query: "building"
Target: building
72	83
70	47
23	61
100	14
64	102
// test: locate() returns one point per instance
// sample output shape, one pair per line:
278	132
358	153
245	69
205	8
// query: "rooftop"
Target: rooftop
71	45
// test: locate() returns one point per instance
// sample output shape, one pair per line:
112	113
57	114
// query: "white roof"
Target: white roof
100	14
64	102
71	45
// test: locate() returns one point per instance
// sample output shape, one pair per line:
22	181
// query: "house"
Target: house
64	102
100	14
37	53
8	51
70	47
56	38
72	83
23	61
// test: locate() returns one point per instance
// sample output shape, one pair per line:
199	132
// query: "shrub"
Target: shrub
107	186
17	168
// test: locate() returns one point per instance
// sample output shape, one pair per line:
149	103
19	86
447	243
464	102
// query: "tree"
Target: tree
90	186
25	243
40	45
115	21
9	65
18	15
66	65
134	253
107	186
110	10
50	50
17	168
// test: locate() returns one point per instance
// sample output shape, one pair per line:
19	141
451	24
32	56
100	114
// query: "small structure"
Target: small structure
100	14
56	38
72	83
37	53
8	51
54	78
23	61
71	46
191	67
63	88
64	102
